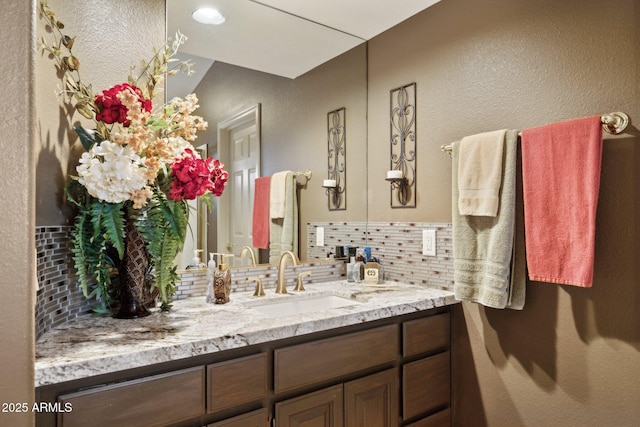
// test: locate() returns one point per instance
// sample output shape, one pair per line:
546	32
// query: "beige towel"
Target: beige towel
283	231
480	173
277	194
483	247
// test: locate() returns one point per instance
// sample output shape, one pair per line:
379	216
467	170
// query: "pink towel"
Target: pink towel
561	178
261	218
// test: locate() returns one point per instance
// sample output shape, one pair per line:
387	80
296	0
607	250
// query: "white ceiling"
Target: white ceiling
282	37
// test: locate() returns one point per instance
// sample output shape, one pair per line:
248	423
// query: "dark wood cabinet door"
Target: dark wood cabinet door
323	408
372	401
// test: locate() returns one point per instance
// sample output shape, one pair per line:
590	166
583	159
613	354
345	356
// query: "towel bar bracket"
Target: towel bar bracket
615	123
306	176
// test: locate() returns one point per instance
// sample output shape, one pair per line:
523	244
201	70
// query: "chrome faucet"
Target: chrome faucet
281	284
252	254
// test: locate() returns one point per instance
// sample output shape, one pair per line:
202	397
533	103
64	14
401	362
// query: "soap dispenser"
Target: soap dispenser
196	263
211	270
222	282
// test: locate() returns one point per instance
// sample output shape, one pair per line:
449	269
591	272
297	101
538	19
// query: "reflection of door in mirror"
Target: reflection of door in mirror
197	228
239	150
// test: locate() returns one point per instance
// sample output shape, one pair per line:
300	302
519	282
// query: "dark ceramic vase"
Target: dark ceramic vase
134	292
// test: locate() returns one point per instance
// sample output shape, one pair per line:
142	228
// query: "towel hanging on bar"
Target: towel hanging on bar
614	123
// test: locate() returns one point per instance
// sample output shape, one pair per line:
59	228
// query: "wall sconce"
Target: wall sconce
402	173
335	185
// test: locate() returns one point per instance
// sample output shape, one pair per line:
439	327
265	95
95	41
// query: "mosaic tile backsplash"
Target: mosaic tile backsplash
194	282
59	298
397	244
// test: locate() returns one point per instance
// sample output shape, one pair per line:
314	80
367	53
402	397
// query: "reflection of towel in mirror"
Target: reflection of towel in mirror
483	246
284	230
261	218
277	196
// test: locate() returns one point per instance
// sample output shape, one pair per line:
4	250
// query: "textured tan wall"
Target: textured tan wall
572	356
294	120
16	210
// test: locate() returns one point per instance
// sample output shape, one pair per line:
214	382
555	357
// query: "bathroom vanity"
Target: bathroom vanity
372	356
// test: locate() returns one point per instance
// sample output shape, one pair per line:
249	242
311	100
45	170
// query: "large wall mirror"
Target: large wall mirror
294	71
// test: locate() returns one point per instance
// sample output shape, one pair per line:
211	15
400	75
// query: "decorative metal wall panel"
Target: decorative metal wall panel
403	145
337	165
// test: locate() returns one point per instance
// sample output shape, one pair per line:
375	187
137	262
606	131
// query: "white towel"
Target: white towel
480	173
278	194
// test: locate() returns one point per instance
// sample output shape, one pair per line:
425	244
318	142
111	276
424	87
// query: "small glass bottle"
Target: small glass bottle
359	267
351	276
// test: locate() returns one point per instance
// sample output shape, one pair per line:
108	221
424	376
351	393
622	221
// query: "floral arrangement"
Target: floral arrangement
139	166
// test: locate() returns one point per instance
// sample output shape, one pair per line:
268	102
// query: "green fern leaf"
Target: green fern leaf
175	215
164	279
79	239
111	221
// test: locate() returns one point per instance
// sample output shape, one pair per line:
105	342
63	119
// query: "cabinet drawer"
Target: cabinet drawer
152	401
259	418
439	419
422	335
322	360
425	385
237	381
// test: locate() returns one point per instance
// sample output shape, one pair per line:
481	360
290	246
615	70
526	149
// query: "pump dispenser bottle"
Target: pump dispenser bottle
221	282
211	270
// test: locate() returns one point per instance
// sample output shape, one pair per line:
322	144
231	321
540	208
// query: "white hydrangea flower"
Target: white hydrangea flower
111	172
178	146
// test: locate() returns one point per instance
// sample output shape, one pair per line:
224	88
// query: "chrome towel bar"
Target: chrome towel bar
614	123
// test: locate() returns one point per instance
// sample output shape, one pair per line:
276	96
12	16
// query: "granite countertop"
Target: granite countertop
92	346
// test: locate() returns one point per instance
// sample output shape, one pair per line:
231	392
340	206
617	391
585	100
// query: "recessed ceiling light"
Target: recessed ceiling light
208	15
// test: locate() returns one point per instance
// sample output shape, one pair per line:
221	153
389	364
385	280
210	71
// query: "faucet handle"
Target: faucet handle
299	285
259	292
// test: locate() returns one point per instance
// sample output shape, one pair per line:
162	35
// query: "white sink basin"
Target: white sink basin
302	304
